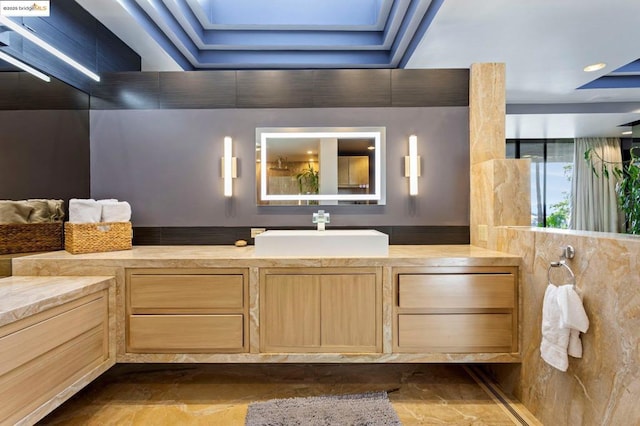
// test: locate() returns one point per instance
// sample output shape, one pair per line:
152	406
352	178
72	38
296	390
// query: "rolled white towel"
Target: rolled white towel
84	211
119	211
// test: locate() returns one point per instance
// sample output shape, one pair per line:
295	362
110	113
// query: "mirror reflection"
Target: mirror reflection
300	166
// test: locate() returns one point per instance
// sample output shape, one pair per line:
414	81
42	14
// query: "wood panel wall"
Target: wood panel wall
282	89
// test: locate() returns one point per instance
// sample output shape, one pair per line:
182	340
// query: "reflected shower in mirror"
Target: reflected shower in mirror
302	166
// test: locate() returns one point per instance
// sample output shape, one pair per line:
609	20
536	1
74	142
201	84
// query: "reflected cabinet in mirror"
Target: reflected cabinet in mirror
320	165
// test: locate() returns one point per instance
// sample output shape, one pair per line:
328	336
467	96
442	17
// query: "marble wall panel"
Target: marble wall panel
603	387
512	192
487	106
500	195
481	200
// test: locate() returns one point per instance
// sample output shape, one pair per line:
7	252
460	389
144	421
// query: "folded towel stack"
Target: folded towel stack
563	318
84	211
115	211
92	211
31	211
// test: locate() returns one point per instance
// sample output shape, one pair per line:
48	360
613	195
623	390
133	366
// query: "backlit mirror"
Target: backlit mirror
300	166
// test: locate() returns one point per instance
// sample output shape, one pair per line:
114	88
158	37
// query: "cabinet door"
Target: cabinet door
302	310
343	170
353	170
359	170
291	309
348	312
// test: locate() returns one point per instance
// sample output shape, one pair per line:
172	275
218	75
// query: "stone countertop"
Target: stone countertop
24	296
204	256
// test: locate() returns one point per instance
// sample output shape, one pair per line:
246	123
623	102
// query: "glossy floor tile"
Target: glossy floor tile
219	394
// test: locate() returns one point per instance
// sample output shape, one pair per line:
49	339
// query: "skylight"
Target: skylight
293	13
276	34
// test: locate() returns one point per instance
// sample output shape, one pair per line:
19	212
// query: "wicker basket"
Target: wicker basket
97	237
30	237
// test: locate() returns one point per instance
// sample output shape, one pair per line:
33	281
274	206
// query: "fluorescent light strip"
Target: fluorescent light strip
46	46
23	66
413	165
228	189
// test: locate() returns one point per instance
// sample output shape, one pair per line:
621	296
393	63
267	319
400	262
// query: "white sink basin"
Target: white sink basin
332	242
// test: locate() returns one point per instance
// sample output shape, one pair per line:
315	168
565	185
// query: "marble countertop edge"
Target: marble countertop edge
436	254
24	296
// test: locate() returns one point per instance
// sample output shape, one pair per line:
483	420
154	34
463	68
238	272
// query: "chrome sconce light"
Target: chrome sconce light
412	165
229	167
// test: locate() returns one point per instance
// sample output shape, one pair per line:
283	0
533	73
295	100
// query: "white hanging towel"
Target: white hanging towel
562	312
574	318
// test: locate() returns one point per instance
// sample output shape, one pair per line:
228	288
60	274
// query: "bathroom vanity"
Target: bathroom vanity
225	304
56	336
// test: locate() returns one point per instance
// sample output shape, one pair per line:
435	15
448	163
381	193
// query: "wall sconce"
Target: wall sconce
412	165
229	167
24	32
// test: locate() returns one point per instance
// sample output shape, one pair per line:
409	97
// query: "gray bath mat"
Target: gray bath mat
370	409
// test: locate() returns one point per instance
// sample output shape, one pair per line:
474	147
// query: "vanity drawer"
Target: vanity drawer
456	291
20	347
43	355
455	333
27	387
186	333
185	292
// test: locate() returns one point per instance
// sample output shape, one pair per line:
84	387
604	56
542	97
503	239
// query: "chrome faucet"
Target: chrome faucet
321	218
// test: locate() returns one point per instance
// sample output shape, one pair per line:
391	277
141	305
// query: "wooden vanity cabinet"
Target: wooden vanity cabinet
455	310
44	354
187	310
326	310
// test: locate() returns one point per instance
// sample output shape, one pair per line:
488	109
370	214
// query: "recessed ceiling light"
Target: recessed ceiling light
628	132
594	67
371	148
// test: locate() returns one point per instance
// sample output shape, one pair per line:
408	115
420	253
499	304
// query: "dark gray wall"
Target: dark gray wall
44	154
166	163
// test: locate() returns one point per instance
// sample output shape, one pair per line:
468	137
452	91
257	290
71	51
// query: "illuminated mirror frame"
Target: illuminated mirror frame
378	134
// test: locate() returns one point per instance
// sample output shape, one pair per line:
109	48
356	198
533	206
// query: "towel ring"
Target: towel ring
558	264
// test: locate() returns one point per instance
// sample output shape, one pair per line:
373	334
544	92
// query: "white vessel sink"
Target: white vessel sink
332	242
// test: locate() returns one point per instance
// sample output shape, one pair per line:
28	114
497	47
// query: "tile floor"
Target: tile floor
218	394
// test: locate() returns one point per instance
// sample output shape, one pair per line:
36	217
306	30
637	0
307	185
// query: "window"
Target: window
551	167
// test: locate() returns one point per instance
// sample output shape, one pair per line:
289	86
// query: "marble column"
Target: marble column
500	189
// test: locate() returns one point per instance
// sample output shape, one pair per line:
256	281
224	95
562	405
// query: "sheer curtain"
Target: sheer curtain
594	204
